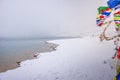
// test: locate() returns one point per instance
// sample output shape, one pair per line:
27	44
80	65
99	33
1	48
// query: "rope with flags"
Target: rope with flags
103	13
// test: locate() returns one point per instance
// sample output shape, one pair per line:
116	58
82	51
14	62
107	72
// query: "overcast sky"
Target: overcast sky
47	18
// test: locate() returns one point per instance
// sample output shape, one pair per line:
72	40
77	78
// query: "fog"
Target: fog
47	18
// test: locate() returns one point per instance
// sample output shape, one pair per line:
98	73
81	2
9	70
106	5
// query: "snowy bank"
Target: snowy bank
74	59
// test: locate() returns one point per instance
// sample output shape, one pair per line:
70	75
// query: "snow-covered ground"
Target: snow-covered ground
74	59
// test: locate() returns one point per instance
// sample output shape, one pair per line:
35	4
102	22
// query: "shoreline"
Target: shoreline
30	55
71	61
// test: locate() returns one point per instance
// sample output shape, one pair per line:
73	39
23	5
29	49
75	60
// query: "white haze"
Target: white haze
47	18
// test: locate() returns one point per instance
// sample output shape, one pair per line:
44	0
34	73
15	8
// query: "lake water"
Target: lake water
12	51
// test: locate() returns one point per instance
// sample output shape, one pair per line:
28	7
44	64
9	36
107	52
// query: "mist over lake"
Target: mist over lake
47	18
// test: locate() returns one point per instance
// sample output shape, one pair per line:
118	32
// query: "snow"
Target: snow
74	59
